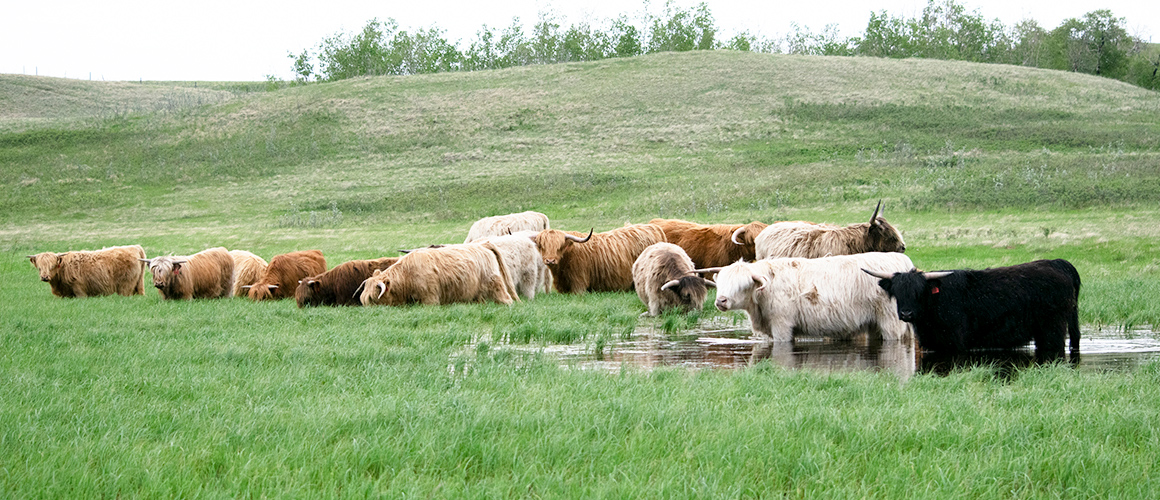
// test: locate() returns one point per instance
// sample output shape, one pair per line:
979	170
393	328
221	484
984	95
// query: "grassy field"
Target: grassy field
979	165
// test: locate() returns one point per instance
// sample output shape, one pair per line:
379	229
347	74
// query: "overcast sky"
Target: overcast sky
244	40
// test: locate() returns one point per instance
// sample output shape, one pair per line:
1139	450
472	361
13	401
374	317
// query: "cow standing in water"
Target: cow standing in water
1003	307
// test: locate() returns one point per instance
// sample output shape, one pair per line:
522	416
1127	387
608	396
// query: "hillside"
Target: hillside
705	135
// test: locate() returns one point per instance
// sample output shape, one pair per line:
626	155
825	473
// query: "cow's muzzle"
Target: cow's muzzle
42	278
722	304
907	316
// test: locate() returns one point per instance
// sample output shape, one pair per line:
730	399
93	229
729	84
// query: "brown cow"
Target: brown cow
712	245
248	269
664	279
281	278
600	262
208	274
89	273
340	286
457	273
811	241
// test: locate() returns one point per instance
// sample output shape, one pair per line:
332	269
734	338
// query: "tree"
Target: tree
679	30
1097	44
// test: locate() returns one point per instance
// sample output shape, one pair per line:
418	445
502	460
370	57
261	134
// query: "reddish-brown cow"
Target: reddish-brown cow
284	272
340	286
600	262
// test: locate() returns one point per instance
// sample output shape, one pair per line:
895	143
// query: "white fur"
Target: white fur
828	297
524	264
503	225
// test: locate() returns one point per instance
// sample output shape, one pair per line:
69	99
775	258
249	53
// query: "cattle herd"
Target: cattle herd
790	278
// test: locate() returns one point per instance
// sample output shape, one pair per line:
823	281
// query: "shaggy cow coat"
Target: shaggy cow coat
600	262
248	269
810	240
712	245
208	274
663	278
281	278
524	264
89	273
1003	307
340	286
502	225
828	297
456	273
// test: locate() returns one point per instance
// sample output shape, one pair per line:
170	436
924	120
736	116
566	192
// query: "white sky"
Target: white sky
245	40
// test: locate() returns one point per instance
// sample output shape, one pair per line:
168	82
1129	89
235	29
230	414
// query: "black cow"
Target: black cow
1003	307
339	286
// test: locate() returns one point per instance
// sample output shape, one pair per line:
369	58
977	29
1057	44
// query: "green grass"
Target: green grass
979	166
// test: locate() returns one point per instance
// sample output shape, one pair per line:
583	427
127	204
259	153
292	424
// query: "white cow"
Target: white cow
829	297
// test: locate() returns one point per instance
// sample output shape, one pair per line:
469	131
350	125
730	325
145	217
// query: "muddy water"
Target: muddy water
731	348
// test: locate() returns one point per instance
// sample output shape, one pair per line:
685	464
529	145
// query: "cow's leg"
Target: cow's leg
1049	339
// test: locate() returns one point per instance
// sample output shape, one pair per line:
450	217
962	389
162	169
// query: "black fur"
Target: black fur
1002	307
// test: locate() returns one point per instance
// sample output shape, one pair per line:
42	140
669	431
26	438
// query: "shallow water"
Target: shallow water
1103	350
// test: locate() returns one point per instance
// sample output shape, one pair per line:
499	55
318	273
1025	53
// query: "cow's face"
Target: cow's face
46	263
910	291
377	290
552	243
736	284
689	290
162	268
882	237
261	291
307	293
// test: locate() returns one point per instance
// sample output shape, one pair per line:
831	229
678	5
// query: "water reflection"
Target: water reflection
1100	350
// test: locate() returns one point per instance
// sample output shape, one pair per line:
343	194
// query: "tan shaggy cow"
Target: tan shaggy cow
340	286
444	275
810	240
600	262
284	273
89	273
208	274
501	225
665	278
248	269
712	245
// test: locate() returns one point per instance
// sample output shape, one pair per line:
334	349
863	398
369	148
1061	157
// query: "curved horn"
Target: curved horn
578	239
764	281
147	261
405	252
247	287
706	270
272	287
709	283
382	289
734	235
878	274
181	261
936	275
357	290
875	216
670	284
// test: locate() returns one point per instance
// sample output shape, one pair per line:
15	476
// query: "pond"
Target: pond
712	347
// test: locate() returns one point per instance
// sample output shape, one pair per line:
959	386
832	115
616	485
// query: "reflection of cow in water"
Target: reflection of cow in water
863	353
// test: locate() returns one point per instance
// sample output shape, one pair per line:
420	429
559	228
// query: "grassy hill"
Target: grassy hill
979	165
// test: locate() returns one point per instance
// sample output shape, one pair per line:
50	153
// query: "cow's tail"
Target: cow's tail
1073	319
507	279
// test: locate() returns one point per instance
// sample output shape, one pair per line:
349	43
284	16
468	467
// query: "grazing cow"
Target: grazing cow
208	274
89	273
713	245
500	225
663	278
828	296
1001	307
600	262
809	240
455	273
284	273
524	264
340	286
248	269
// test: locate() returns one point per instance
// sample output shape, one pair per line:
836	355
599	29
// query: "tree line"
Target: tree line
1097	43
